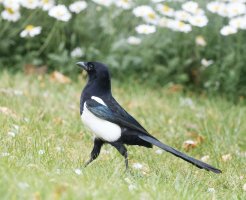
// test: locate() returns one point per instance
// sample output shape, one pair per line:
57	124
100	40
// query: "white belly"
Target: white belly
103	129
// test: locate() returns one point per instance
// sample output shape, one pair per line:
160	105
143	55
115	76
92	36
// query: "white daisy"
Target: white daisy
223	10
106	3
198	20
142	11
133	40
145	29
214	6
30	31
228	30
190	6
77	52
125	4
165	10
182	15
16	127
177	25
60	12
238	22
235	9
211	190
78	171
137	166
30	4
13	4
47	4
206	62
159	151
11	134
41	152
205	158
78	6
10	14
244	187
151	18
200	41
5	154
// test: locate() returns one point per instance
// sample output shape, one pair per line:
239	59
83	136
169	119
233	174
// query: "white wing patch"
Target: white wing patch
99	100
103	129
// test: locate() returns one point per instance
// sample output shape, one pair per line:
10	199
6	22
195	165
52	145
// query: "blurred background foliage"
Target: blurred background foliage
101	32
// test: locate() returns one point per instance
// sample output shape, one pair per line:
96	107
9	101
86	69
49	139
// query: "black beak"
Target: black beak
83	65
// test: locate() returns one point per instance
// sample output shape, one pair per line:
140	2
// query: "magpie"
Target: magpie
111	124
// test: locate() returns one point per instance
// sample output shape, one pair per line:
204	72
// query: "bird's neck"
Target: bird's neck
97	87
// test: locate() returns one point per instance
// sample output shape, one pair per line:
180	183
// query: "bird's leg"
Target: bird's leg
95	151
123	151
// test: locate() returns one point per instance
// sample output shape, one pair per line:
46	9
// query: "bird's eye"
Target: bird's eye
90	66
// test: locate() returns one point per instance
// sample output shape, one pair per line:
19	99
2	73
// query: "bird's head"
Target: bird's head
94	68
98	73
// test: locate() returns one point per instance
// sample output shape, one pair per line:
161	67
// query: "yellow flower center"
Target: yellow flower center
10	10
151	15
29	27
198	21
166	8
181	24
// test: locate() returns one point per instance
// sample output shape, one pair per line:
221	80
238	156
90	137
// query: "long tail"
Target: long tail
183	156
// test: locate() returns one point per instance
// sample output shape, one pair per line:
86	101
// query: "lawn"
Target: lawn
43	144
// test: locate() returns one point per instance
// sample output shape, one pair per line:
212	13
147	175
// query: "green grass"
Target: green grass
48	117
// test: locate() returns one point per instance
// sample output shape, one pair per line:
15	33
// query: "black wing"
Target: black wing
114	113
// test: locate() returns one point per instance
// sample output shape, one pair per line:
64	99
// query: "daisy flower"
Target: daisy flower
200	41
214	6
137	166
142	11
60	12
198	20
165	10
145	29
228	30
151	18
125	4
106	3
78	6
238	22
5	154
47	4
211	190
77	52
190	6
78	171
206	62
41	152
235	9
11	134
159	151
30	4
30	31
133	40
10	14
13	4
177	25
182	15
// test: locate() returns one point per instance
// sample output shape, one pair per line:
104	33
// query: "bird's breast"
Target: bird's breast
103	129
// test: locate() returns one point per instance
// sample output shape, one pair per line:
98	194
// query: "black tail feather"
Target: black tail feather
183	156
